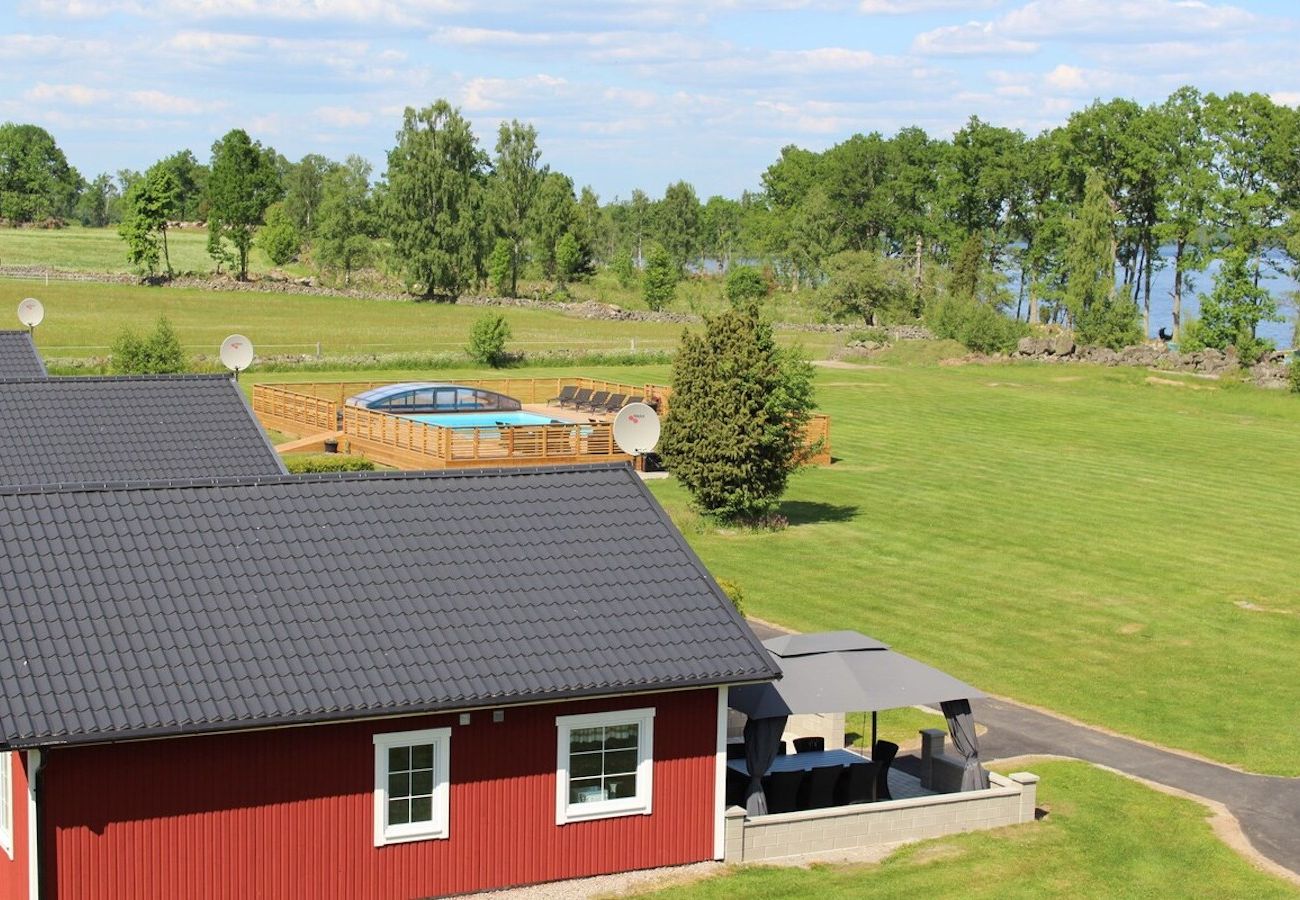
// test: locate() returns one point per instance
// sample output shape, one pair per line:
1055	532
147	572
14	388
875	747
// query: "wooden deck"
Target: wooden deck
307	409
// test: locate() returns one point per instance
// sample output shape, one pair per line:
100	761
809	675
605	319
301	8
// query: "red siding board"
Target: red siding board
289	812
13	872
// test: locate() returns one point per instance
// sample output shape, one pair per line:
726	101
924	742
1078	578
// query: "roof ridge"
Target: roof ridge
82	379
91	487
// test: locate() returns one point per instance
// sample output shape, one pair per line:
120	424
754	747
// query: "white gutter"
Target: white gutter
34	762
720	780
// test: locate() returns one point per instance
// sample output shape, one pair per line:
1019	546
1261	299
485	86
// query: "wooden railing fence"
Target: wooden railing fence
313	407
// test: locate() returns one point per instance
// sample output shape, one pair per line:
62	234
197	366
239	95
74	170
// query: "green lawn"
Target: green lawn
81	320
102	250
1105	836
1071	536
1075	537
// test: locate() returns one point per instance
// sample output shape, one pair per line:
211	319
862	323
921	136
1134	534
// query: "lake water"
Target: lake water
1282	287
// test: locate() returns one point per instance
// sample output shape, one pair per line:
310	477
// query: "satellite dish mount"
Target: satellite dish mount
30	312
236	353
636	429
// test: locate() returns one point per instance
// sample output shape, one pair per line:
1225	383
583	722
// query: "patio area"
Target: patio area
792	788
319	414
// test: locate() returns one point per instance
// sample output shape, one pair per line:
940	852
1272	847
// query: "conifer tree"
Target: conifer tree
734	431
1102	315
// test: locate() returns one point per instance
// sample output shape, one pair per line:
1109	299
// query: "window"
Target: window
7	803
411	785
605	764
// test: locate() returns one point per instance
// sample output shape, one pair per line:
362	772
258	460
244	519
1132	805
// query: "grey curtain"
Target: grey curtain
762	737
961	726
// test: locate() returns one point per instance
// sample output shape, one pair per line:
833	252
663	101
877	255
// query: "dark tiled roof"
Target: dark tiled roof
58	430
167	609
18	356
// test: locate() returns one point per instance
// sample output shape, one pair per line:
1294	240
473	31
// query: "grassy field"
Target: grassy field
1104	836
81	320
80	249
1081	538
101	250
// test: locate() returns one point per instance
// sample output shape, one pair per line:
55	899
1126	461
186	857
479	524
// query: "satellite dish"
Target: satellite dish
236	353
636	429
30	312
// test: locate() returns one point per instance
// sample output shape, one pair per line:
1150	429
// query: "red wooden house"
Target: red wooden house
395	685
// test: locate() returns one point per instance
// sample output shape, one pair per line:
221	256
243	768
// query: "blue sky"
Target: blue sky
623	94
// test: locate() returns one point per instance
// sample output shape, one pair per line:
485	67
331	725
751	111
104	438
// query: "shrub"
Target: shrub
864	335
278	238
624	268
660	278
1295	374
1192	336
568	257
499	266
327	462
158	353
487	341
977	326
734	593
745	284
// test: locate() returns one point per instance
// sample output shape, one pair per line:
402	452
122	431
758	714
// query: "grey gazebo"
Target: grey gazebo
845	671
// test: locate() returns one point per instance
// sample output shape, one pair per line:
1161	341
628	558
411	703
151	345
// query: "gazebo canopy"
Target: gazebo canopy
844	671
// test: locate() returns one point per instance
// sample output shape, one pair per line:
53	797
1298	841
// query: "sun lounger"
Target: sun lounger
566	394
594	402
613	404
578	399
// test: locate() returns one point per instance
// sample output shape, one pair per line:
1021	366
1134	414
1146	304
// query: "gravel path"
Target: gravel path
607	885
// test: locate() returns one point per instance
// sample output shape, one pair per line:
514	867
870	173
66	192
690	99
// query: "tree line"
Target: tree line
1068	225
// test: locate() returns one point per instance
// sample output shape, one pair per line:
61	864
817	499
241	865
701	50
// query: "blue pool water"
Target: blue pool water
484	420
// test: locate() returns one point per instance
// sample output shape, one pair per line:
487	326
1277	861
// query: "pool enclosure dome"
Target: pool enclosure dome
427	397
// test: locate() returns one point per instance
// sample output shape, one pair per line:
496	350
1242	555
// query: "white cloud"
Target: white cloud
342	116
971	39
492	94
1123	20
913	7
1069	79
144	101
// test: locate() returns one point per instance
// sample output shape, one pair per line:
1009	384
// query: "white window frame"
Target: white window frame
440	826
638	805
7	803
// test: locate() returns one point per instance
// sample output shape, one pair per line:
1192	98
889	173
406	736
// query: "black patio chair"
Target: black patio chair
818	789
782	790
735	751
635	398
809	745
613	404
594	402
857	784
581	396
882	754
566	394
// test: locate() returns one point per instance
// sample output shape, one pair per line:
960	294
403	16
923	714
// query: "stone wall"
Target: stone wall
1269	372
1009	801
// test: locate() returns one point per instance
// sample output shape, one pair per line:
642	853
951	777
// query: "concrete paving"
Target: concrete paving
1267	807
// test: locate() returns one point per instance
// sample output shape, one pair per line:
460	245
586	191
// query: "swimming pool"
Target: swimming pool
485	420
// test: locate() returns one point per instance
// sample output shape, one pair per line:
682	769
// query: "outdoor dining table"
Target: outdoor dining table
793	762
